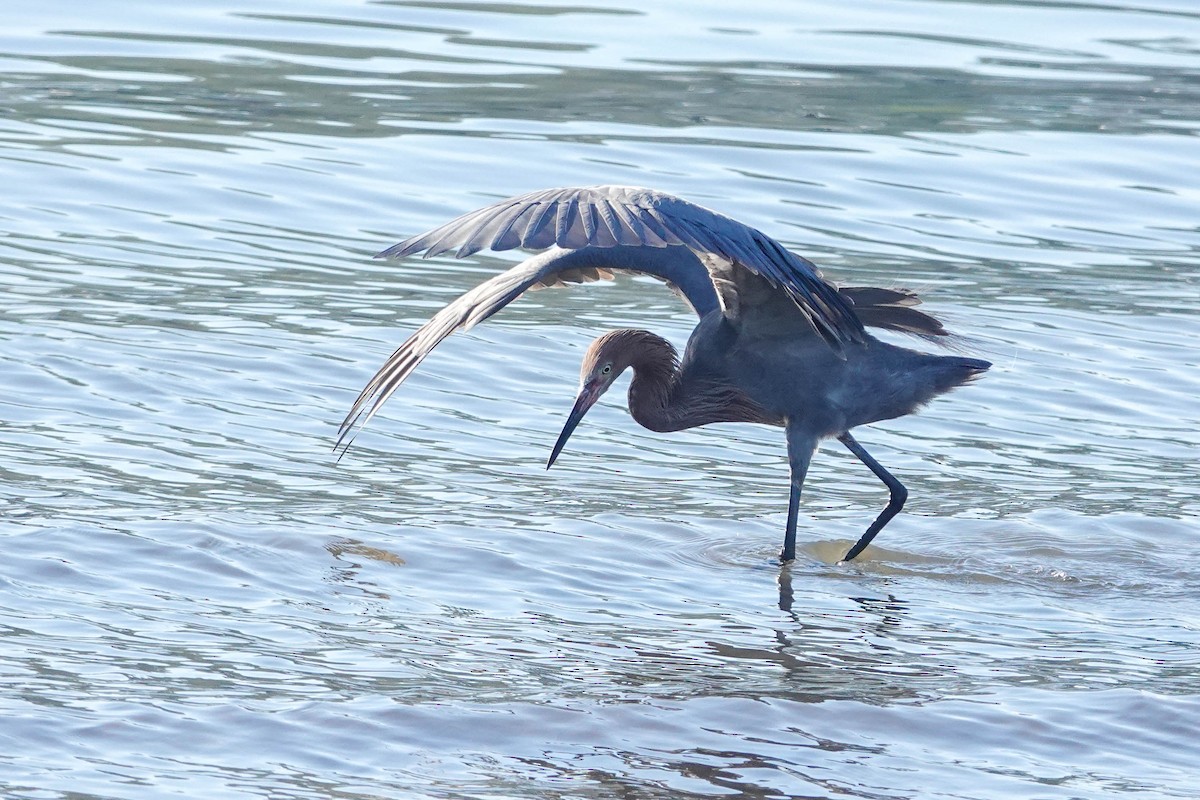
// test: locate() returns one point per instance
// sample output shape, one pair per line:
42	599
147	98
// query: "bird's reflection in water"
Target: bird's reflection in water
887	612
853	639
839	648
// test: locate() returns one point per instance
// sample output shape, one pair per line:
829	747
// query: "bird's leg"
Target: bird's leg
801	446
896	502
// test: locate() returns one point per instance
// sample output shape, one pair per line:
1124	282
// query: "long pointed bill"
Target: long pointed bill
588	396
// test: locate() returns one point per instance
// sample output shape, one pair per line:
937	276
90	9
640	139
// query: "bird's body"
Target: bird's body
776	344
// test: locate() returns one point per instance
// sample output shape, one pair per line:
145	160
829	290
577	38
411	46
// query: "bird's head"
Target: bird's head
603	363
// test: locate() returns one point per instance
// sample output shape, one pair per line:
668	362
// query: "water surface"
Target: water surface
197	599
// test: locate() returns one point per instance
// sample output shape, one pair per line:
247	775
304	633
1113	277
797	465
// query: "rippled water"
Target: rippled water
196	599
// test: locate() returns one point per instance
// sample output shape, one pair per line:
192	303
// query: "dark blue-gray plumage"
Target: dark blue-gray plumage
776	344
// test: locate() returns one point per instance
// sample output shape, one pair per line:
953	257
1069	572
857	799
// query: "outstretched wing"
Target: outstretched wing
677	266
610	216
592	232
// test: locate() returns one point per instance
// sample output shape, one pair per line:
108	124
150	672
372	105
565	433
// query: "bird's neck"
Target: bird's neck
661	399
655	381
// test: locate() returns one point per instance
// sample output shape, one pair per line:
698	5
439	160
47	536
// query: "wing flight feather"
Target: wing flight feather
676	266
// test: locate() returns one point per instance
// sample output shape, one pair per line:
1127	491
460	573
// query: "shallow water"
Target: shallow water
197	599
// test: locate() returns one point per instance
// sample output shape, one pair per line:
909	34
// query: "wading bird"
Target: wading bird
776	344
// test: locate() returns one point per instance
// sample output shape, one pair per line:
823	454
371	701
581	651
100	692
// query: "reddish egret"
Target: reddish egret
776	343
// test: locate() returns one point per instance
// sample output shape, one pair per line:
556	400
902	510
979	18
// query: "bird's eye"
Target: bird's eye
607	368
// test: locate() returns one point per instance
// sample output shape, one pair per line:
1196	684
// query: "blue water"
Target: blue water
197	599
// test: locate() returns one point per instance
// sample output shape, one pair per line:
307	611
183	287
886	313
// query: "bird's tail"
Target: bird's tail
954	371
